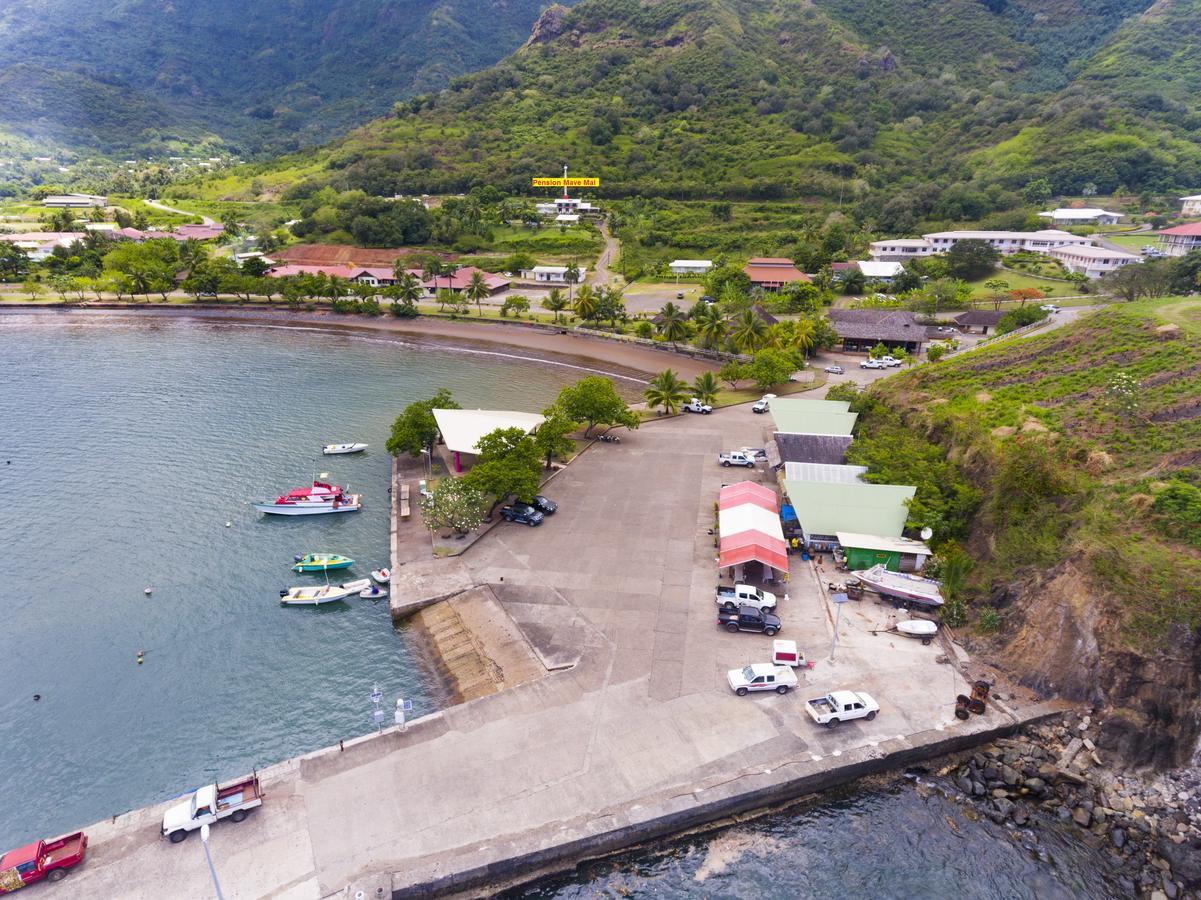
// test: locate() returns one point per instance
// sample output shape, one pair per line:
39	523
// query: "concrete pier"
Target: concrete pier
616	727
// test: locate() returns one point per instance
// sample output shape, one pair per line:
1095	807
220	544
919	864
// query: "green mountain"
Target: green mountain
261	75
913	109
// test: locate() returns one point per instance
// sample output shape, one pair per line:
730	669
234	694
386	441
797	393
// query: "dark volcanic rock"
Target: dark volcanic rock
1185	860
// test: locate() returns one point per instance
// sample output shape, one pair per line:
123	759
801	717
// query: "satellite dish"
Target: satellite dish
927	533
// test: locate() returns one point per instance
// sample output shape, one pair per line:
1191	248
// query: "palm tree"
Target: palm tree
673	323
408	287
477	290
572	273
587	303
191	254
431	270
797	334
711	325
555	302
705	388
748	332
666	390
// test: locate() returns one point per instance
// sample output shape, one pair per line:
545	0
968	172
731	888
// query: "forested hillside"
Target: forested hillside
128	76
912	110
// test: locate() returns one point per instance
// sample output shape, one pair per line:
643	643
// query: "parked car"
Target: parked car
834	370
545	505
747	618
842	706
945	329
761	406
679	295
761	677
730	598
736	458
1049	307
872	364
522	513
50	859
694	405
891	361
210	804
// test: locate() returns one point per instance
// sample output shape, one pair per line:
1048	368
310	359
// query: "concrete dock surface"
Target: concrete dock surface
628	732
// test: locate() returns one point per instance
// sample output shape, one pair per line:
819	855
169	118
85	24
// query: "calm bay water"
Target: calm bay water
125	447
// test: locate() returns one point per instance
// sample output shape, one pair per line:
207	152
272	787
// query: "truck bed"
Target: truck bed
69	848
241	793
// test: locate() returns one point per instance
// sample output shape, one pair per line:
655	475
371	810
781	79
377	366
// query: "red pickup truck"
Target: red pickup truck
41	859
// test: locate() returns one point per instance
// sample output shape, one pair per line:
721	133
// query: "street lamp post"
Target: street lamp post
204	840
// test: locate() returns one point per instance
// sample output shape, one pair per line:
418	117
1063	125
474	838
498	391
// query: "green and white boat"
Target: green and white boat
321	562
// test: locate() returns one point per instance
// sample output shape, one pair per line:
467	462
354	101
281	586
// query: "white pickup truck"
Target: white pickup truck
761	677
730	598
695	405
736	458
211	803
841	706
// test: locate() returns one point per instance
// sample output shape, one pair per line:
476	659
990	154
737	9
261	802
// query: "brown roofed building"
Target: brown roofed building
981	319
773	272
862	329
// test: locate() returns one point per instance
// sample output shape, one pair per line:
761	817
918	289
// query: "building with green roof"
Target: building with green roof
812	416
825	508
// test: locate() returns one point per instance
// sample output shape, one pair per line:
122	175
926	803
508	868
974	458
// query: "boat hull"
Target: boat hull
295	509
901	586
342	449
313	596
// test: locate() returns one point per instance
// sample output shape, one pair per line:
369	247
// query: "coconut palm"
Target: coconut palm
666	390
477	290
587	303
572	274
673	323
748	332
711	325
796	334
408	287
431	270
555	302
705	388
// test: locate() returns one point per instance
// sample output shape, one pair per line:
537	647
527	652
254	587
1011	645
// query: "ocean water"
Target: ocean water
897	841
125	447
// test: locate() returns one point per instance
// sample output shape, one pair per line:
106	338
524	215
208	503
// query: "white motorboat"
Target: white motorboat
901	587
359	584
374	592
923	629
313	596
382	576
339	449
311	501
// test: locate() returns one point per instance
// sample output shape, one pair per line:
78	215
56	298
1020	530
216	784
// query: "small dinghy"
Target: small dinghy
382	576
313	596
919	628
373	592
359	584
339	449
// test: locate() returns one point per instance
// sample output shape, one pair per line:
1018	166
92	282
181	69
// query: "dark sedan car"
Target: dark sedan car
521	512
545	505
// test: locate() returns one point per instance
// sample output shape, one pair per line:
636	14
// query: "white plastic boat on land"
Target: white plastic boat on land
313	596
311	501
922	629
898	586
338	449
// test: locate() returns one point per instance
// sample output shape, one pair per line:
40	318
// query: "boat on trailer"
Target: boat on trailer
901	588
922	629
310	501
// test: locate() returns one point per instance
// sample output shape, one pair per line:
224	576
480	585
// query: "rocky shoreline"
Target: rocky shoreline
1149	826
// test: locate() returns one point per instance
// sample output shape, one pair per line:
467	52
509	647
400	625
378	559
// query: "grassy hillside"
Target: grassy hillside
131	76
911	111
1085	445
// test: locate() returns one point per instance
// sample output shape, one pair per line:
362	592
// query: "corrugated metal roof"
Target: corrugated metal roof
807	471
818	448
824	508
800	421
884	544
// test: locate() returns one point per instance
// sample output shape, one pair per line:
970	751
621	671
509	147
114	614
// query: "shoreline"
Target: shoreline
546	341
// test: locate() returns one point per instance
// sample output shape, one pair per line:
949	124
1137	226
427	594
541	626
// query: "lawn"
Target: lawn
1132	243
1016	280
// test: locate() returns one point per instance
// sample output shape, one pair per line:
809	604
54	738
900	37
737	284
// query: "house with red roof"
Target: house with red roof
773	272
1181	239
461	278
197	232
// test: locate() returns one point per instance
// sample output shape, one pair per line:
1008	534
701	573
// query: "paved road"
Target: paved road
183	212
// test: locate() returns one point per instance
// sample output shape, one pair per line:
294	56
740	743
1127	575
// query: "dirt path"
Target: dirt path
627	360
601	275
207	220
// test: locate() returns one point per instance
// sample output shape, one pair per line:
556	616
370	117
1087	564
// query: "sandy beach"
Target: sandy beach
629	360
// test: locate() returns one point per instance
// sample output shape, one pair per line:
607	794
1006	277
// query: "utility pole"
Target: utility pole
204	839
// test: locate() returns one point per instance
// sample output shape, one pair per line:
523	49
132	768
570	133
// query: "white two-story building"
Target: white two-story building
1092	261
